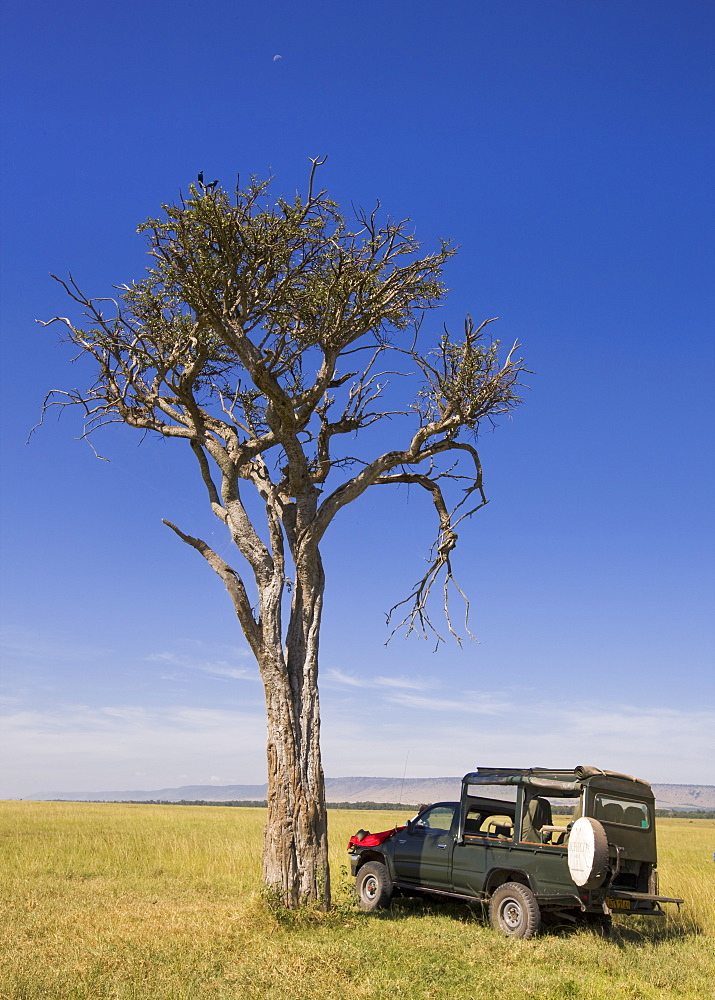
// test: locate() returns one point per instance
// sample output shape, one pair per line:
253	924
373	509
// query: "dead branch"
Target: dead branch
234	585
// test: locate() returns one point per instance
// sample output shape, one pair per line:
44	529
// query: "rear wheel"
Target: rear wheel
513	910
373	886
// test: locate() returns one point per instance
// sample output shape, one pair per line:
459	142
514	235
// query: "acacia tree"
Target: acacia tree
263	335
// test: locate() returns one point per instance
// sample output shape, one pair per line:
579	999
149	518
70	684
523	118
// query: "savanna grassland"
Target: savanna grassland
164	903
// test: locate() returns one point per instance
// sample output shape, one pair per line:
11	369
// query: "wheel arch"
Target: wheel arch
500	876
366	856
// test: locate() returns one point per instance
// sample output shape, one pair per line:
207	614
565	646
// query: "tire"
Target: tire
513	910
373	886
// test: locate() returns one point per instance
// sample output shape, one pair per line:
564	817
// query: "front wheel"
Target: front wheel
513	910
373	886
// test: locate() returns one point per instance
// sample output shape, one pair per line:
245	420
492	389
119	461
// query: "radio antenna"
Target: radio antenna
402	786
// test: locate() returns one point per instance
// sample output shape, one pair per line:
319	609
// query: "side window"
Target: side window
438	819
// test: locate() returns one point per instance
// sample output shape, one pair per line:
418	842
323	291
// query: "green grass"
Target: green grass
164	903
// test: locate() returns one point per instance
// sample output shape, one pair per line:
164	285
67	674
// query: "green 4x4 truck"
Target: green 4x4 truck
499	845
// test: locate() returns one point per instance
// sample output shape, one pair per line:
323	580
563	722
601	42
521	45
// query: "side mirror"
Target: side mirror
410	826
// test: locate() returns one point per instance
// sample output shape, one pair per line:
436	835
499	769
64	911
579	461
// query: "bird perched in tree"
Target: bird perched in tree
206	187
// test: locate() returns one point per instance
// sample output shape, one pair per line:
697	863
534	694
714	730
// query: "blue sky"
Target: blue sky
567	148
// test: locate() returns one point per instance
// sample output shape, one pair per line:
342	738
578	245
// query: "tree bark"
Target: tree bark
295	846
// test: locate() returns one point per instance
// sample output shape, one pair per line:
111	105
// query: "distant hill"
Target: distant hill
412	791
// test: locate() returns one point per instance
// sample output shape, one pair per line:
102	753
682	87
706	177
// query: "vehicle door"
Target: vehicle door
423	850
469	866
488	839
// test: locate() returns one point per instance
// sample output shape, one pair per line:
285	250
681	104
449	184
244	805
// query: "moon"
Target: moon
276	58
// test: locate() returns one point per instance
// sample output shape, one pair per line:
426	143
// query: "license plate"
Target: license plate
619	904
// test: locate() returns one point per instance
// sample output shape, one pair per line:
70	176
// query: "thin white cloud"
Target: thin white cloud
473	703
347	680
25	647
663	743
433	745
78	747
449	736
400	682
220	670
339	677
215	667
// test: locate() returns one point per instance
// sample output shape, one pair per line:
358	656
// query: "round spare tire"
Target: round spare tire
588	853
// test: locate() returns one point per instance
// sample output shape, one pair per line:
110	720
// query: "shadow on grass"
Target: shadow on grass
416	907
654	930
637	931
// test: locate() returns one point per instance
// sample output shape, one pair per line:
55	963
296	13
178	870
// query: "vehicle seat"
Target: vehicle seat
612	813
633	816
538	814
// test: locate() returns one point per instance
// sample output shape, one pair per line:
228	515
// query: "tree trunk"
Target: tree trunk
295	845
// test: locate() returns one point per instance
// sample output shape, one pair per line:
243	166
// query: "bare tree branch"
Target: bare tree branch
234	586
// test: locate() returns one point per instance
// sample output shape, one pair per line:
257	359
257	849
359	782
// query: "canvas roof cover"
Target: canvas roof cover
554	780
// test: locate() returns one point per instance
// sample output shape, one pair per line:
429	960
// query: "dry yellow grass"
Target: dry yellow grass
163	902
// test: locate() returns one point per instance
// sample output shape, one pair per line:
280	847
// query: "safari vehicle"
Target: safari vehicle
499	845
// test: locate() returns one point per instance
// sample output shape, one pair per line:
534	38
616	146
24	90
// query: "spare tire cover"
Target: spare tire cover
588	853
